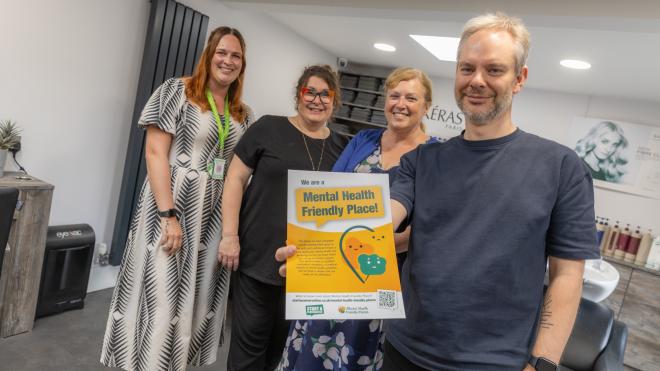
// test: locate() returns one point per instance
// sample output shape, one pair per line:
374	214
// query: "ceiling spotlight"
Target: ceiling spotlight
384	47
443	48
575	64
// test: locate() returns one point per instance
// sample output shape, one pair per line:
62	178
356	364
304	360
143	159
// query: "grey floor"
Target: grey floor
70	341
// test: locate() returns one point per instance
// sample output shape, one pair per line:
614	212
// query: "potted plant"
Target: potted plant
9	139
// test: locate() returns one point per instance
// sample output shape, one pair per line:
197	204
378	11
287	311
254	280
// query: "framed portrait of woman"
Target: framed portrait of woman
620	156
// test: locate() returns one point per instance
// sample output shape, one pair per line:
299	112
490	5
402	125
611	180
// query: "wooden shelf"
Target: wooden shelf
363	106
23	261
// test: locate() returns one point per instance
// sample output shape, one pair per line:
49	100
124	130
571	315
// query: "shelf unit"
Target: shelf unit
343	122
363	106
363	90
361	123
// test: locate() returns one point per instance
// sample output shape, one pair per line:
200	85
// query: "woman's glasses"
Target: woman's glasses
310	94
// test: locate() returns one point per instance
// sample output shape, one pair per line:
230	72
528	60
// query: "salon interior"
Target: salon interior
71	70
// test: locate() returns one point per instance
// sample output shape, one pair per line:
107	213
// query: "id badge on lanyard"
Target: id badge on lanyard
216	168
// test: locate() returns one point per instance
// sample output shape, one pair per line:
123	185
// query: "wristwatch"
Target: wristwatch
167	213
542	364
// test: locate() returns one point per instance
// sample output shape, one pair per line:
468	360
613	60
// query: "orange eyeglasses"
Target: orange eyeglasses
309	95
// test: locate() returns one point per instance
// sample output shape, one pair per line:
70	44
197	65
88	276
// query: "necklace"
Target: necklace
318	167
309	154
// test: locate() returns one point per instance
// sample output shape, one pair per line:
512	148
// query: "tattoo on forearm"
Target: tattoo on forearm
546	313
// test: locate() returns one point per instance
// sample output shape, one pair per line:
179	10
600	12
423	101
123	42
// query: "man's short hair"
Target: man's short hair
500	22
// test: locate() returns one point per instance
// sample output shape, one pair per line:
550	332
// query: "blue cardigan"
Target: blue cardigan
360	147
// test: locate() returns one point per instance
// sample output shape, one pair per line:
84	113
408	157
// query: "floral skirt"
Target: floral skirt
333	345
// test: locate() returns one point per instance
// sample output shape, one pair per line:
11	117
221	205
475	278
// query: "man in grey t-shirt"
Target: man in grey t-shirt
488	209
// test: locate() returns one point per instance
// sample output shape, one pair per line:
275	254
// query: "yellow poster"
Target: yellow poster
345	264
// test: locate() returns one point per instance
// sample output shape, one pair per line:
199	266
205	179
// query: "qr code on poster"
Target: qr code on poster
387	299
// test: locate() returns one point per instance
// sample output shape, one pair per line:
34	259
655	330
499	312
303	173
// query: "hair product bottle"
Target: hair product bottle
610	245
600	230
622	242
644	248
653	260
633	246
606	236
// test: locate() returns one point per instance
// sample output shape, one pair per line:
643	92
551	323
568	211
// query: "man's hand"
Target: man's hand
282	254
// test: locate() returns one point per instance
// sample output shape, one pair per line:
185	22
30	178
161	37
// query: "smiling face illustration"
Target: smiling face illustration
371	265
354	247
360	254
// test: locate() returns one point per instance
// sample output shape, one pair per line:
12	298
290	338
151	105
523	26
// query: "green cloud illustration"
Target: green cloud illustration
372	265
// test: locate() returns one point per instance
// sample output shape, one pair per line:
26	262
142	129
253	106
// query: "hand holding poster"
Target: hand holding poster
345	263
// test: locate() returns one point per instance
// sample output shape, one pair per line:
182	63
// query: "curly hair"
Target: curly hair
327	74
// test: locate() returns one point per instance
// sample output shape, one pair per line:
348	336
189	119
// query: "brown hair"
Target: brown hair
407	74
196	84
328	75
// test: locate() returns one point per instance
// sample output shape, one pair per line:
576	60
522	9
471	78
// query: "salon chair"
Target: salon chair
597	342
8	198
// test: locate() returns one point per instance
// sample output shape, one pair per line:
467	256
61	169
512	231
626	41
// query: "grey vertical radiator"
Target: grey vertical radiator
175	39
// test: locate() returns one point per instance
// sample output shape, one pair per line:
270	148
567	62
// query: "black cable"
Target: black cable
13	154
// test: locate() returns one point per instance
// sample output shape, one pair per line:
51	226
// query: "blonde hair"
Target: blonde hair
407	74
501	22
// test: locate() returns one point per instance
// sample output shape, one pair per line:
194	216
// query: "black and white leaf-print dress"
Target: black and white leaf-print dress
169	311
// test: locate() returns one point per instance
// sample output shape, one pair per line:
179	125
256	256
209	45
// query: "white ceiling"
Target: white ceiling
620	39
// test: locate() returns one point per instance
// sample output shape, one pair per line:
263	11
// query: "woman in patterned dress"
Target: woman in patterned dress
358	344
168	307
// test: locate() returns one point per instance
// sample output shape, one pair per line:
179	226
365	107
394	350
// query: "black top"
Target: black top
271	146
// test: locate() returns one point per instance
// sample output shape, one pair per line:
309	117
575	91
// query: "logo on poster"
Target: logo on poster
311	310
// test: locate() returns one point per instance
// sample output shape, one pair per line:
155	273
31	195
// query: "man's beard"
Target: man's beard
483	118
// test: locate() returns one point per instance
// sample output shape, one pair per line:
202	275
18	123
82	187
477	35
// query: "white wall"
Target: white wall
68	75
550	114
276	55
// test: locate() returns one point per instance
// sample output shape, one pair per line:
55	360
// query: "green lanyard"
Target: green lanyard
222	132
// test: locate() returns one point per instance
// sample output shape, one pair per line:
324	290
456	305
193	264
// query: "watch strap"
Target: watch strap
167	213
541	363
533	361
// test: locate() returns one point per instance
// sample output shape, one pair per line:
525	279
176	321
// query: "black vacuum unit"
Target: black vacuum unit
65	273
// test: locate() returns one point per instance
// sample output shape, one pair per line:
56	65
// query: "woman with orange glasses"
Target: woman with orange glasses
254	224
